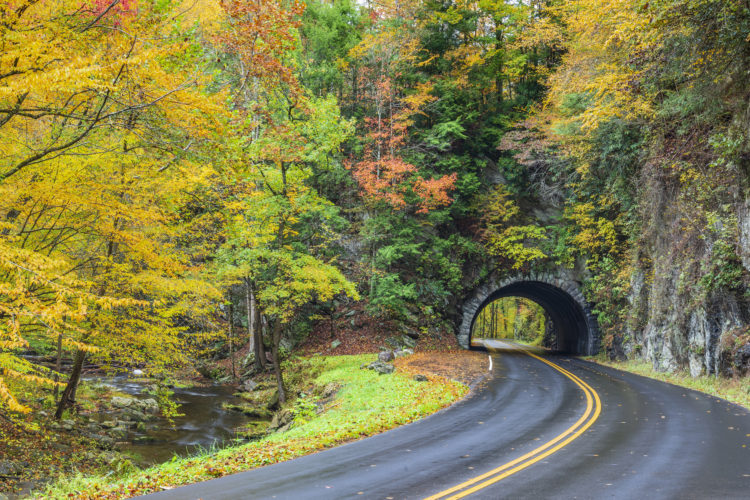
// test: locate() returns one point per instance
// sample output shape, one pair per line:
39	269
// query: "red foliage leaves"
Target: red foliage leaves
391	179
115	9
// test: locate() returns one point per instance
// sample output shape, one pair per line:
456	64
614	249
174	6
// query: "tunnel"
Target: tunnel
575	329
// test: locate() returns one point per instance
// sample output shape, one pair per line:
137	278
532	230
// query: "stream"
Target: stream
204	422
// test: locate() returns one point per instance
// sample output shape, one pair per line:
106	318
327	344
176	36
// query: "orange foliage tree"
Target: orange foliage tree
382	173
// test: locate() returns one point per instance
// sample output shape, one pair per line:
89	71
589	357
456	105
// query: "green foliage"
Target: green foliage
391	293
723	270
507	238
608	291
329	31
168	407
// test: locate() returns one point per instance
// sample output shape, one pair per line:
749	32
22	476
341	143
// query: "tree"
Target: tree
99	128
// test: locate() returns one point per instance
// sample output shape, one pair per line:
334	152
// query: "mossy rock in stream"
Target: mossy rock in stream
259	398
250	411
265	385
253	430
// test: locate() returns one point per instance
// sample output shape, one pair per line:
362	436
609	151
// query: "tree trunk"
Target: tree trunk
260	348
275	358
68	395
499	39
231	339
256	340
333	324
492	321
250	311
58	364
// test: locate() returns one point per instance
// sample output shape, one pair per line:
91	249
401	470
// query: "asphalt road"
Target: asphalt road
530	430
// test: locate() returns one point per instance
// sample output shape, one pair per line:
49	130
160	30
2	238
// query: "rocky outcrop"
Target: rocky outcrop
282	421
743	229
679	318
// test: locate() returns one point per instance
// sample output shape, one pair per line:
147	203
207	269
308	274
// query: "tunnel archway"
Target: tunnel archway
575	328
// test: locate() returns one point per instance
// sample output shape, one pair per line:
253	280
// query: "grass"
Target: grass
366	404
736	390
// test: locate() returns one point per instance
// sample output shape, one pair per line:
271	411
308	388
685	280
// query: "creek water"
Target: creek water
203	424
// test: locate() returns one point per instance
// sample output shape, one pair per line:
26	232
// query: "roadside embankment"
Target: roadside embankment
353	403
736	390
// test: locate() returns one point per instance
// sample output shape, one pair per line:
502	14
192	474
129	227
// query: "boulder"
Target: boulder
408	342
118	432
281	420
253	430
103	442
149	405
273	403
10	468
329	390
251	411
403	352
420	378
108	424
135	415
381	368
249	385
393	342
335	344
121	402
742	359
413	334
385	356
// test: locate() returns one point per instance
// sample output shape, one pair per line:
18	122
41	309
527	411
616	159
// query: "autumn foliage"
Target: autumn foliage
381	170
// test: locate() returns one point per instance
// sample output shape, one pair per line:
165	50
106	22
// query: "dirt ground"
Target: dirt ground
463	366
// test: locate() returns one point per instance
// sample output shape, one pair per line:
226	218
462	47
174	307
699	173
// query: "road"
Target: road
540	426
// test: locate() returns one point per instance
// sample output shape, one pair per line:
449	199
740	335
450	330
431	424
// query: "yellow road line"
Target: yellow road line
593	402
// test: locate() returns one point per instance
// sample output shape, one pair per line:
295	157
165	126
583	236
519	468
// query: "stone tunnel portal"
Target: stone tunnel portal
575	329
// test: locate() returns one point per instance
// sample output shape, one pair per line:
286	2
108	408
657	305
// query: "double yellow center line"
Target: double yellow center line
593	409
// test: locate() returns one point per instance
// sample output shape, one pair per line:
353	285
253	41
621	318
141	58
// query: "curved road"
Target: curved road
541	426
